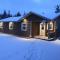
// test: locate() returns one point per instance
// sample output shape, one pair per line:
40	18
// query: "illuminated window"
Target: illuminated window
50	26
23	26
1	25
10	25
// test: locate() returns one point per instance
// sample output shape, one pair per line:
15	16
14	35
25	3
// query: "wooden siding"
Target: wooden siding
35	28
24	33
57	26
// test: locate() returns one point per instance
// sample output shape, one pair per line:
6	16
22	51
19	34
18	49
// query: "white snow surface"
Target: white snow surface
16	48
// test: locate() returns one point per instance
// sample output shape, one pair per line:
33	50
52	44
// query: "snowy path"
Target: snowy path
15	48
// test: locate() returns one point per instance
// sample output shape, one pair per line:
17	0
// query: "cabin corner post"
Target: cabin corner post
30	29
48	30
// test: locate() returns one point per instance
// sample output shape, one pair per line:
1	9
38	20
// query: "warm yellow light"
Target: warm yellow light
25	20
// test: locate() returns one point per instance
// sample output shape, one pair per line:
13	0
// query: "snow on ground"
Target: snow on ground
15	48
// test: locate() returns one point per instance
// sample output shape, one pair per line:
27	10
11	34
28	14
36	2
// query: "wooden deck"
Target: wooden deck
41	37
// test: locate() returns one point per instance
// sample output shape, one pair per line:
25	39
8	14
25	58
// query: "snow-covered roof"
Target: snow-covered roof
49	14
12	19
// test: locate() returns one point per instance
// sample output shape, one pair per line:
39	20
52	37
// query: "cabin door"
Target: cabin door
42	29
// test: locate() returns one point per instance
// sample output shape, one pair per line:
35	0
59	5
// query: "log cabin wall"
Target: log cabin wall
35	29
57	19
20	31
6	27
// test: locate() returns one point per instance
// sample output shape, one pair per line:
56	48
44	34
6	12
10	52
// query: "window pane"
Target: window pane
11	25
24	26
50	26
1	25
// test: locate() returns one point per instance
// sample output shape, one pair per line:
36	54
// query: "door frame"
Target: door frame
42	29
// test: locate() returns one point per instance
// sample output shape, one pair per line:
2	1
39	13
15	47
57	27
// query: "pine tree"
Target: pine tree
4	15
57	9
9	14
18	14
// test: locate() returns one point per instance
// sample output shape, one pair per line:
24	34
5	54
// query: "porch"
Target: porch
41	30
41	37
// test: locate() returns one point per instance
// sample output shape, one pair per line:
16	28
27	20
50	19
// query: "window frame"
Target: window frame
50	26
22	26
11	25
1	25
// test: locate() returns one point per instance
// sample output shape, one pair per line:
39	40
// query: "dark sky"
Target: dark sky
38	6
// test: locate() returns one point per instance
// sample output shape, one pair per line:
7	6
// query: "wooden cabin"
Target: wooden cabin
30	25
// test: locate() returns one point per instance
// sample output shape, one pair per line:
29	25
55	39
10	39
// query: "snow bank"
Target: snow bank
14	48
